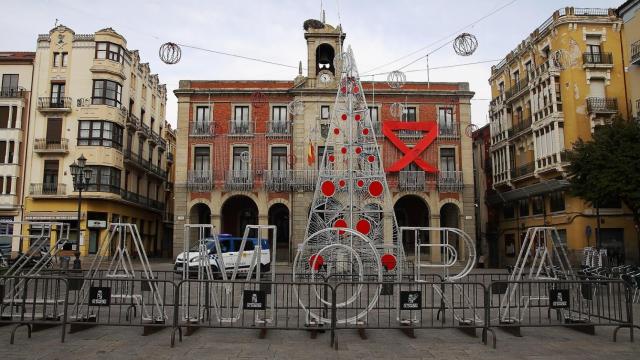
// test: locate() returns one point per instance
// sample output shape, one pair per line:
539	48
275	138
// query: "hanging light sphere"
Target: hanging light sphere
470	129
296	107
397	109
396	79
170	53
465	44
258	99
245	157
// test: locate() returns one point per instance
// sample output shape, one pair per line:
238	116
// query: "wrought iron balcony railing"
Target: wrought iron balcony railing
450	181
520	126
133	122
517	87
412	181
635	53
51	146
239	180
602	105
523	170
9	92
278	180
279	128
240	127
200	180
52	103
201	128
47	189
597	58
449	130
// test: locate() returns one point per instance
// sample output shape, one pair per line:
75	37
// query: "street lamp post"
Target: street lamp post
81	178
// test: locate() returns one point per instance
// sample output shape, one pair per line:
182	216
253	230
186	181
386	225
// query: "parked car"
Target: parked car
230	248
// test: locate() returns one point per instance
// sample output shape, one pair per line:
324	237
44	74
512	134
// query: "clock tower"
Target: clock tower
324	44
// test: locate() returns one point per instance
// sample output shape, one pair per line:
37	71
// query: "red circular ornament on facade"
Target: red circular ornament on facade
356	89
360	183
365	131
343	150
371	158
363	226
358	117
332	158
343	89
336	131
342	183
375	188
389	261
344	116
316	262
328	188
358	150
340	223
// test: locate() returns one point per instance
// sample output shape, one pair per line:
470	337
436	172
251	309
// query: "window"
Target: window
3	151
104	179
501	88
279	114
556	201
409	113
50	177
240	123
537	205
528	67
516	77
9	181
109	51
320	153
100	133
240	163
9	84
57	93
278	158
10	152
445	120
510	245
56	59
202	114
523	205
324	112
150	153
65	59
201	159
373	114
106	92
447	159
508	211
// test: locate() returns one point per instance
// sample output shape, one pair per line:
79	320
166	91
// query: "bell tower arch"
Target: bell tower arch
324	44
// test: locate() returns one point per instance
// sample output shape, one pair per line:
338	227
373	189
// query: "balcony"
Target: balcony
200	180
47	146
279	129
597	60
47	189
304	180
142	200
7	92
520	127
410	134
517	88
596	105
523	171
131	158
201	128
240	127
54	104
450	181
133	122
635	53
449	131
412	181
169	157
162	143
278	180
238	180
144	130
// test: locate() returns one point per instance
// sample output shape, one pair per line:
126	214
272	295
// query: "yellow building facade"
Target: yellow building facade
629	12
94	97
555	87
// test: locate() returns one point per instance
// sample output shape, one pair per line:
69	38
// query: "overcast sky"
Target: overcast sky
378	31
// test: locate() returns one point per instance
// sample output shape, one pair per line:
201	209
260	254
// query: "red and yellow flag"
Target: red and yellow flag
311	154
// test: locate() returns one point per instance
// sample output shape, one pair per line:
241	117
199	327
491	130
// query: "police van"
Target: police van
230	249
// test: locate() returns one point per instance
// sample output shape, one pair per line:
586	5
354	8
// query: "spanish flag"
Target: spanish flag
311	154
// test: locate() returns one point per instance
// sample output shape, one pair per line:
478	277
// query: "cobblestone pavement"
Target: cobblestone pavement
128	343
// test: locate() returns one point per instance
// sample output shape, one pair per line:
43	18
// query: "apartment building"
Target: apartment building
94	97
248	151
561	82
629	12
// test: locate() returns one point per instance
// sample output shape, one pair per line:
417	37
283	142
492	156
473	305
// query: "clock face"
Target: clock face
325	78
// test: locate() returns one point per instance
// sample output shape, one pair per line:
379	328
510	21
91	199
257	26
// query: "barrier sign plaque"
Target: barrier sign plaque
99	296
254	300
410	300
559	298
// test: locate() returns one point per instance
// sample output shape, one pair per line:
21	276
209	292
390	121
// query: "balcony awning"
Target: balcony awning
540	188
51	215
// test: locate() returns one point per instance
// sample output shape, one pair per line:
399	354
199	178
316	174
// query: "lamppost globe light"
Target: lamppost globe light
75	169
82	161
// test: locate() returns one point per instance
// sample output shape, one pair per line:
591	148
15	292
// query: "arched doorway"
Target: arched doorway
279	216
450	217
236	213
199	214
411	210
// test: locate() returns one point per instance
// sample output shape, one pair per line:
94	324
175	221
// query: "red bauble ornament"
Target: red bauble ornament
316	262
328	188
375	188
389	261
363	226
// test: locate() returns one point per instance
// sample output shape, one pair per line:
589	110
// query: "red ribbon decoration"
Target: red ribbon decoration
411	154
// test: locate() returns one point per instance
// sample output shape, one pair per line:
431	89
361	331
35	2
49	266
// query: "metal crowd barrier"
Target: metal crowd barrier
328	302
579	305
35	302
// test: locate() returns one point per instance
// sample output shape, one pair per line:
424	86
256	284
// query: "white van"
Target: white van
229	247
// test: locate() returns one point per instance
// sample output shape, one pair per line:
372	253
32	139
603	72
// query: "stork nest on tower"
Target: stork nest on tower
312	24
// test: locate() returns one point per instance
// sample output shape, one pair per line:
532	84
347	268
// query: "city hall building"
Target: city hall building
244	157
